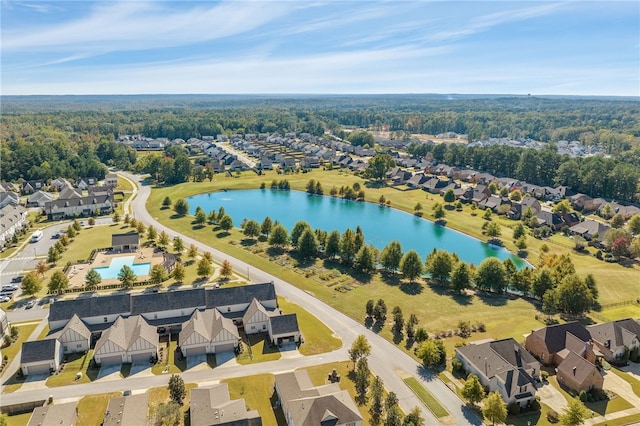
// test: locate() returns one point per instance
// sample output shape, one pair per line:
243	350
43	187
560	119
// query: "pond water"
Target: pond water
380	225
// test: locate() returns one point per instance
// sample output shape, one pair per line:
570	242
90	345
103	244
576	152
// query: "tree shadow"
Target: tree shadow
274	251
397	337
368	321
248	242
377	326
411	288
223	234
492	299
176	216
462	299
390	278
408	344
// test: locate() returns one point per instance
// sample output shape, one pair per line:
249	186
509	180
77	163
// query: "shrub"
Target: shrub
552	416
583	395
534	405
544	375
514	409
456	366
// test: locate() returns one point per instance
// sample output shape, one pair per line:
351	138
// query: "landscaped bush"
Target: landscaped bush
456	366
544	375
583	395
552	416
514	409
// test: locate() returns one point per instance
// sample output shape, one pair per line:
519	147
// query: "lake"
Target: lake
380	225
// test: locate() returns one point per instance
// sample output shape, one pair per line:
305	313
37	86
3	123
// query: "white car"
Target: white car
4	299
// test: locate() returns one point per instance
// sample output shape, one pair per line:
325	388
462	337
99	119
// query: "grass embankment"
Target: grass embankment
425	396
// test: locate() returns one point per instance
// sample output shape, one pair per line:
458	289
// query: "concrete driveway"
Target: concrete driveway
109	372
196	360
141	368
227	358
35	381
552	397
621	387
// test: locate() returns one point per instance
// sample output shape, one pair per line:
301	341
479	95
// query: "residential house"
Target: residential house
128	242
40	356
492	203
581	202
111	180
59	183
503	366
213	406
547	343
451	186
127	410
616	338
590	229
284	329
434	185
13	218
74	337
9	197
98	313
306	405
85	182
256	318
68	192
31	186
84	206
578	374
129	339
65	414
208	332
570	219
417	180
554	220
168	309
39	199
4	324
480	193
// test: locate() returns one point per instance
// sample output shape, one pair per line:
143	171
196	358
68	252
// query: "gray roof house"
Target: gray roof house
125	242
129	339
84	206
39	199
55	414
213	406
504	366
208	332
306	405
40	356
13	218
127	410
284	329
614	338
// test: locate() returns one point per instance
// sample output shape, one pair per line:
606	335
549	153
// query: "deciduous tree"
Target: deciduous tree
473	390
177	390
391	256
411	265
494	409
58	282
31	284
92	279
126	276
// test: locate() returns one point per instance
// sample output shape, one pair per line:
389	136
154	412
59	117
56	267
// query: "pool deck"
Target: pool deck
78	272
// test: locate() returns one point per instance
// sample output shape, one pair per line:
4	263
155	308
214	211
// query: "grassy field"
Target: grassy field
24	331
429	400
91	408
318	338
76	363
19	419
257	349
258	393
161	394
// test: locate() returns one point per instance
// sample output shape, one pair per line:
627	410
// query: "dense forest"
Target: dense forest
44	137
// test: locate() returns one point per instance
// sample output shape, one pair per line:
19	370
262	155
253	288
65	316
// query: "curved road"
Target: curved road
386	360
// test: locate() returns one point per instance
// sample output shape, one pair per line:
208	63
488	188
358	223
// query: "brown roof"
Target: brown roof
54	415
554	336
127	410
575	366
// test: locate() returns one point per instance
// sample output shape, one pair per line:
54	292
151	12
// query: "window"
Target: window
264	326
66	348
79	345
105	319
155	316
229	309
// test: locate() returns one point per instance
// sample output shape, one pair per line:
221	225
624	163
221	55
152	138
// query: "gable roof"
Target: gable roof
213	406
254	307
54	414
127	410
319	405
554	336
209	324
90	307
125	239
164	301
126	331
613	334
576	366
78	326
39	350
283	324
238	295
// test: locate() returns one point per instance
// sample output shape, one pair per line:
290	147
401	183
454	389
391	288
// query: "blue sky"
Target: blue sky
131	47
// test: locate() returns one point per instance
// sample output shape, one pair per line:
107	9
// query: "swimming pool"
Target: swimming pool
112	271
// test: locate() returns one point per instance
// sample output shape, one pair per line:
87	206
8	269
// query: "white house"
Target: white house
12	219
40	356
256	318
127	340
208	332
74	337
83	206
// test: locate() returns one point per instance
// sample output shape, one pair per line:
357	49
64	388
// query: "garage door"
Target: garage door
224	348
140	357
110	360
195	351
38	369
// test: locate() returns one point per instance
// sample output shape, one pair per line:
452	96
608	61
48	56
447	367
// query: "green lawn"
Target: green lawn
169	354
429	400
258	393
601	407
318	338
19	419
76	363
538	418
161	394
257	348
91	408
635	383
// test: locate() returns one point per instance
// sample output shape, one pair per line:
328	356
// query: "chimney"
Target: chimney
574	371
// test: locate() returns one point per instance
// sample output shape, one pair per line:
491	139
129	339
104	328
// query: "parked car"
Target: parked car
30	304
12	287
4	299
17	279
56	235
